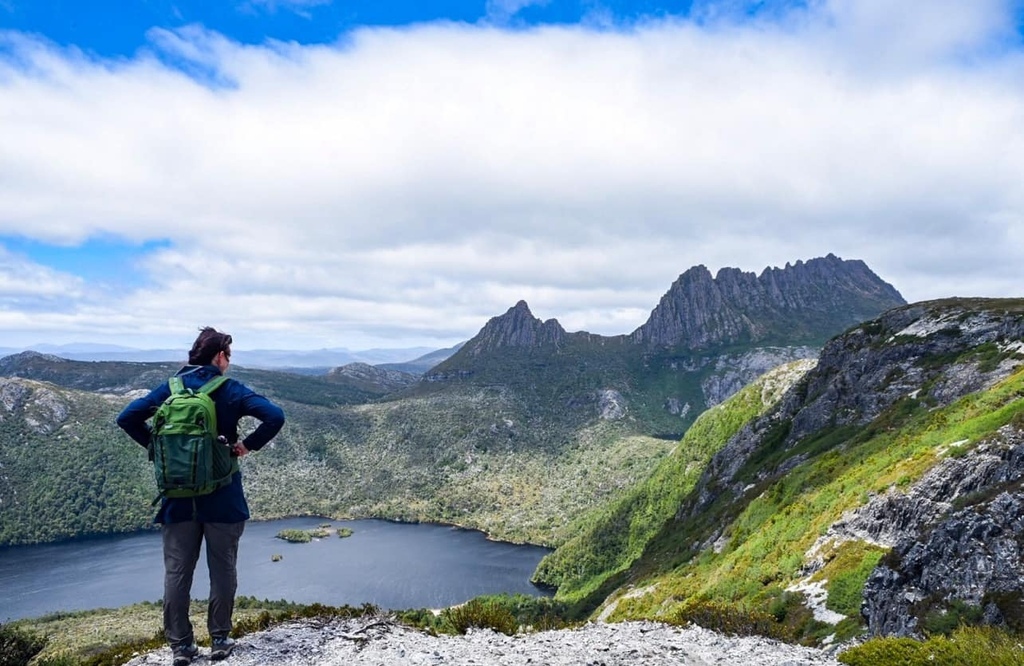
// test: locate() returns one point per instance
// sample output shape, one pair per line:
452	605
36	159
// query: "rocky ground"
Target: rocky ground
380	641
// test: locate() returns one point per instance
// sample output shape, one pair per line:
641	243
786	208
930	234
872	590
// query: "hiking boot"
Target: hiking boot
221	648
184	654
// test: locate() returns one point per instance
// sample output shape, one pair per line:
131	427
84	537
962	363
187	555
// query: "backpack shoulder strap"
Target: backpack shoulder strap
212	385
176	385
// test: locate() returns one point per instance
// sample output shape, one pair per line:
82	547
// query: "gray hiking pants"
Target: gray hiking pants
181	552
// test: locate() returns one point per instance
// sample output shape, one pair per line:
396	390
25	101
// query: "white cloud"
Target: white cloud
409	183
300	7
24	282
502	10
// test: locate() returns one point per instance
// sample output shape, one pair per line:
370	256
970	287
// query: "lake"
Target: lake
391	565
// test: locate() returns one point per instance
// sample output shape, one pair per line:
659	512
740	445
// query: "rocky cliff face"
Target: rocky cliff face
956	534
865	371
811	300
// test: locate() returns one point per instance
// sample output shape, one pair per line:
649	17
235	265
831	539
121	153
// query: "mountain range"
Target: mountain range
315	361
798	451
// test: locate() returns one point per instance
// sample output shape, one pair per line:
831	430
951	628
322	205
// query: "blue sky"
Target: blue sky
118	27
319	173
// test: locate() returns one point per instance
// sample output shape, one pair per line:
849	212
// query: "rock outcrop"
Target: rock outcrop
734	371
373	378
957	536
43	409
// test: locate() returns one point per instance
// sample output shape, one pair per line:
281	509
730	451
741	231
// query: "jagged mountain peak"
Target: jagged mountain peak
805	302
518	327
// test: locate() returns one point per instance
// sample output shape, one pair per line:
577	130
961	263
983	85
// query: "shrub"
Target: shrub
966	646
882	652
481	615
848	572
17	646
729	619
534	613
944	621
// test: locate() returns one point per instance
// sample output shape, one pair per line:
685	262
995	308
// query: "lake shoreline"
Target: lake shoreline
389	564
155	527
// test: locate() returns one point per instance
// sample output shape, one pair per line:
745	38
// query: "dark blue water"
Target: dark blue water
391	565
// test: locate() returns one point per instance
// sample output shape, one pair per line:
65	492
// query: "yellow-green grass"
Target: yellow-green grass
768	539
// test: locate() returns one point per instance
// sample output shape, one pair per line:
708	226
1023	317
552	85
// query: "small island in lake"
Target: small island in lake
305	536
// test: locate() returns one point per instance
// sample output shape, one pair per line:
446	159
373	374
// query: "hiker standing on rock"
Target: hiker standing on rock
200	500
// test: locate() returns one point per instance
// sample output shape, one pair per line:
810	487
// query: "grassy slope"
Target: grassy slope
775	523
609	539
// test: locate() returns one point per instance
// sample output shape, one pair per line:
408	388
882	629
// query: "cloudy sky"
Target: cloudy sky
356	173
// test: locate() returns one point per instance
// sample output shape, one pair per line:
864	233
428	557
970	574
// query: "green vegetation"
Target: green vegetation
965	646
610	538
68	470
846	573
946	618
109	637
305	536
505	613
18	646
766	536
474	458
730	620
480	614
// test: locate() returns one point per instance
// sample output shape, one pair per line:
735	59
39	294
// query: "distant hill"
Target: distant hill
421	365
301	361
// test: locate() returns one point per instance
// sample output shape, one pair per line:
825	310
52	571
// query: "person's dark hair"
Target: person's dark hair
209	343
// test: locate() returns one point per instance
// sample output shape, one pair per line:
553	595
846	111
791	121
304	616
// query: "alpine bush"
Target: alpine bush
17	647
481	615
966	646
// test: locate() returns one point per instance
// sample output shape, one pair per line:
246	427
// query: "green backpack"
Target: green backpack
188	459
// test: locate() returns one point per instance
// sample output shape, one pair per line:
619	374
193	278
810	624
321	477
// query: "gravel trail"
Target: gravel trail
380	641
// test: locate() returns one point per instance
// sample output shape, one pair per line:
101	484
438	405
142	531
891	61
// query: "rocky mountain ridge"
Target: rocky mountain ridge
700	312
706	339
372	378
803	303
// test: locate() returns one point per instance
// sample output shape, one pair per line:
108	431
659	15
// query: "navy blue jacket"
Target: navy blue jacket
233	400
